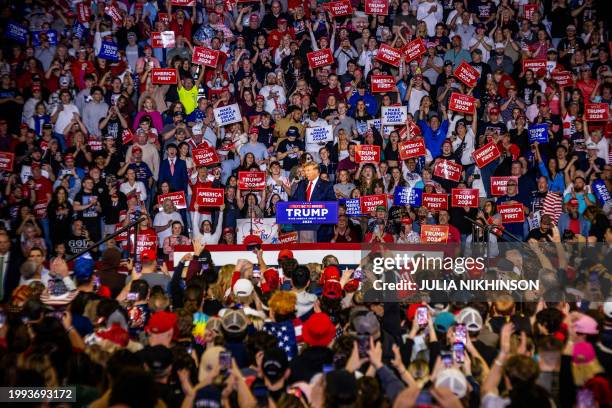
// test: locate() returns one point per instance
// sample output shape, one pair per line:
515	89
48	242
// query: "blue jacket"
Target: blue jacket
434	140
370	103
564	222
178	181
556	185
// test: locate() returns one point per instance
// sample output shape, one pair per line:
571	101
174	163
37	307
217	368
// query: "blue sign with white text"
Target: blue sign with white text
538	133
307	212
17	32
353	208
109	51
408	196
51	36
601	191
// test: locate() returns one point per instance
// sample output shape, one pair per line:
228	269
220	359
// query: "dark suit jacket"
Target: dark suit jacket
178	181
12	275
323	191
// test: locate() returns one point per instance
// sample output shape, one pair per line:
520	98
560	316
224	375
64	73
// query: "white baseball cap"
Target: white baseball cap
454	380
470	318
243	287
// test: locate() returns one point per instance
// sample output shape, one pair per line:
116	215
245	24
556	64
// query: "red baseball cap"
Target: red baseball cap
332	289
253	130
272	278
148	255
136	148
285	254
330	272
252	240
494	111
161	322
260	98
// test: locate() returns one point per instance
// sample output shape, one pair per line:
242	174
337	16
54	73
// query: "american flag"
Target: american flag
286	336
553	206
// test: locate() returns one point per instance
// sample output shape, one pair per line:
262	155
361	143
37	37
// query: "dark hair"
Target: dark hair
141	288
300	280
135	388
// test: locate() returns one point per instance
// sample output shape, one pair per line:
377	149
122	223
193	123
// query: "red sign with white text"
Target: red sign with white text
146	241
127	136
320	58
596	112
7	161
467	74
209	197
340	8
462	103
448	170
414	49
83	12
486	154
288	238
528	10
435	202
434	233
205	56
205	156
511	212
164	76
183	3
563	78
367	154
389	55
383	83
113	12
412	148
163	18
367	204
378	7
464	197
251	180
177	198
538	66
498	184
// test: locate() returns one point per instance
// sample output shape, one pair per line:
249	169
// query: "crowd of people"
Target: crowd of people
94	138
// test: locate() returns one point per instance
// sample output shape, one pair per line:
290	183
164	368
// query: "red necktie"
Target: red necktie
172	167
308	191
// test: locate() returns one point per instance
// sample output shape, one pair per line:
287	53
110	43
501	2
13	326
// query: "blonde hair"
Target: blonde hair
282	302
223	283
209	361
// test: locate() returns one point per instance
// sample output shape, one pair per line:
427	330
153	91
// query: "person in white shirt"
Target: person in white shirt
482	42
274	94
203	233
430	11
164	219
416	91
63	112
132	185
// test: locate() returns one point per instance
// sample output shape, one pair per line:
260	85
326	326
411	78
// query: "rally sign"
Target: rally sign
113	12
83	12
314	212
467	74
163	18
434	233
51	37
499	184
164	76
177	198
183	3
340	8
464	197
414	49
109	51
16	32
408	196
528	10
319	134
367	154
601	191
205	56
264	228
563	78
538	133
389	55
596	112
538	66
320	58
511	213
448	170
94	144
205	156
382	83
227	115
486	154
368	203
462	103
435	202
146	241
7	161
288	238
394	115
209	197
163	39
412	148
251	180
378	7
353	207
127	136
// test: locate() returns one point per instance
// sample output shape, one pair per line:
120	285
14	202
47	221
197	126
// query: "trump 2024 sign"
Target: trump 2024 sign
315	212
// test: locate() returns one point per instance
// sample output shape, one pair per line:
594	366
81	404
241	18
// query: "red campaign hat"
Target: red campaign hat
572	203
35	165
24	126
68	156
161	322
332	289
136	148
406	221
351	286
252	240
148	255
147	47
260	98
330	272
285	254
318	330
116	334
36	88
494	110
272	278
228	230
282	21
253	130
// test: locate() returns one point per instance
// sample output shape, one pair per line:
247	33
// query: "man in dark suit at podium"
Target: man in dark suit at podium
314	189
